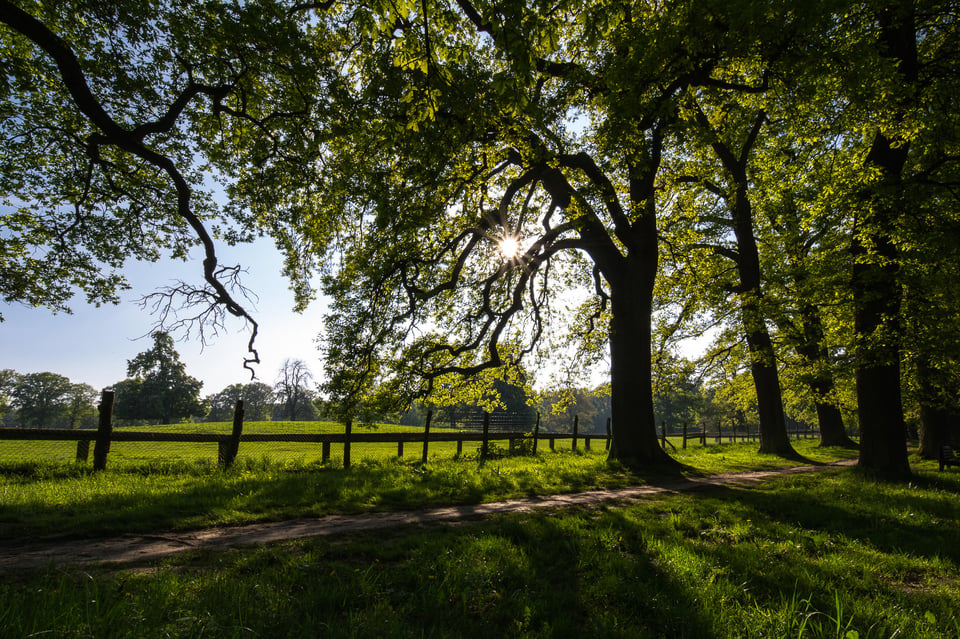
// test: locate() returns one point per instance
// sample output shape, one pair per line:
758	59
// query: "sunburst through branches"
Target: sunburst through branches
510	247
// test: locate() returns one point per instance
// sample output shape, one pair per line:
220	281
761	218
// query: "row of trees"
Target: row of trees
685	392
784	173
158	389
45	400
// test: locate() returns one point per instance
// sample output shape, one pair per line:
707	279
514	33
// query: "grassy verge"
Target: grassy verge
51	499
827	555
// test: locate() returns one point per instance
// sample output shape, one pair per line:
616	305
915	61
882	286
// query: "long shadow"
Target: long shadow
868	518
815	527
516	575
272	496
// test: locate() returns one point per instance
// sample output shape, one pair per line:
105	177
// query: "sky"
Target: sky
93	344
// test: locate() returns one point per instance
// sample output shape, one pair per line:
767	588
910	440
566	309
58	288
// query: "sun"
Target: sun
510	247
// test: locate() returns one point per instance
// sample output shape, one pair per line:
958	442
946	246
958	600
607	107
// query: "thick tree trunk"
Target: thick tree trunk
876	302
876	316
633	425
883	435
876	287
815	356
939	417
631	279
832	431
774	438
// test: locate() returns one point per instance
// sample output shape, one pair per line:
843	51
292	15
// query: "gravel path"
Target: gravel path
139	549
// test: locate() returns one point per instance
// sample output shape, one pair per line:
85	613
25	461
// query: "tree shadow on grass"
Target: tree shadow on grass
864	552
893	519
580	574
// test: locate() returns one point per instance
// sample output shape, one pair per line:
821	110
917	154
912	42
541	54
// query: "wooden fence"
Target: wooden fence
229	444
731	434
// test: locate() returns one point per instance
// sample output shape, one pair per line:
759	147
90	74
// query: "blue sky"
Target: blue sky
94	344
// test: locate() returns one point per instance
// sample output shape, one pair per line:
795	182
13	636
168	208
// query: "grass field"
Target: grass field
127	453
51	498
138	453
835	554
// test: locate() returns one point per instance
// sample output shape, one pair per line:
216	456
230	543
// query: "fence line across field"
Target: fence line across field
229	443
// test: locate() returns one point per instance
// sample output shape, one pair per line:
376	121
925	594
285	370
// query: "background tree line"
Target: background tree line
158	390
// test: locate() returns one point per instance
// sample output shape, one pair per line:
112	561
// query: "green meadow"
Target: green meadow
127	453
831	554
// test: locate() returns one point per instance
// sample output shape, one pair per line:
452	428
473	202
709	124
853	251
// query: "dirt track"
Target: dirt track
137	549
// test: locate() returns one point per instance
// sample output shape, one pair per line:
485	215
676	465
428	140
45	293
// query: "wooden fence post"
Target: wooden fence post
325	454
485	446
426	436
230	448
348	428
684	435
83	451
719	431
703	433
105	429
663	434
536	433
460	446
609	434
576	430
400	448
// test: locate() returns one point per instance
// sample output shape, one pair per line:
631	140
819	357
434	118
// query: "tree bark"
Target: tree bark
939	417
875	282
876	301
631	392
814	354
774	438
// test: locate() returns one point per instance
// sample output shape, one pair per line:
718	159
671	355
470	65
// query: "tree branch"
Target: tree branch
113	134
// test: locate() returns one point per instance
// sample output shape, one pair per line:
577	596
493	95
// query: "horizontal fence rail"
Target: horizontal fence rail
224	440
491	428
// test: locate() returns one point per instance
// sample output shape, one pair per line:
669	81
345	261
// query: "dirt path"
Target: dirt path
137	549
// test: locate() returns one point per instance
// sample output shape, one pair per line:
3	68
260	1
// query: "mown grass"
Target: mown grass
57	499
126	453
834	554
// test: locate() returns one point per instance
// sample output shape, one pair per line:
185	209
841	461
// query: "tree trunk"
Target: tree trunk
631	390
774	438
814	354
883	435
773	427
876	287
939	417
876	302
876	317
631	393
